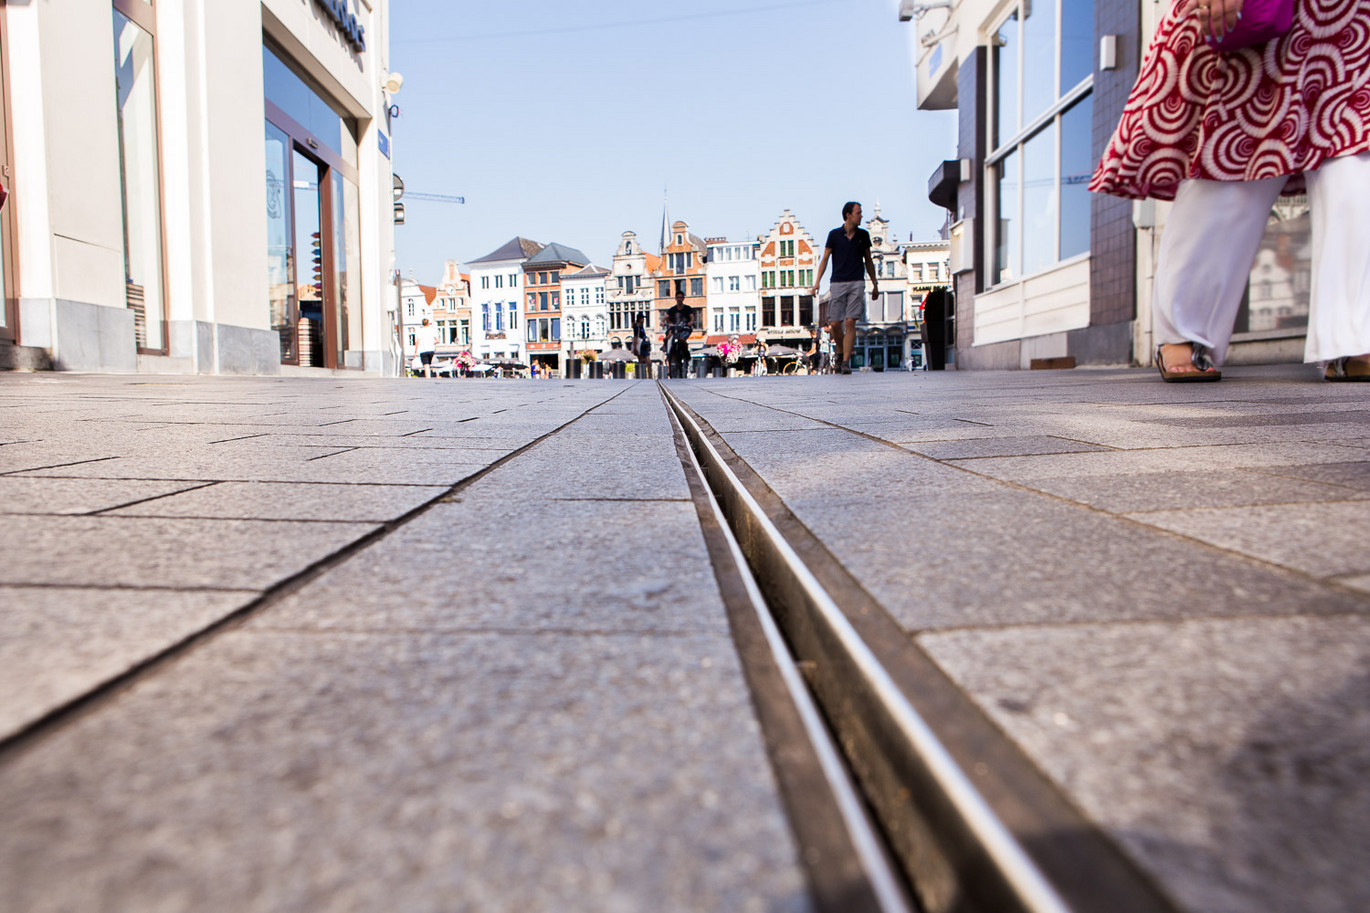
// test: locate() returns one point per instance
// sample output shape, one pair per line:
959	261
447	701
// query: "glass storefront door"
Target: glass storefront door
139	170
309	253
313	222
280	250
7	290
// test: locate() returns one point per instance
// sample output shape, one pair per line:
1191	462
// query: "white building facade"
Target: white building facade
584	312
497	301
629	289
732	289
199	186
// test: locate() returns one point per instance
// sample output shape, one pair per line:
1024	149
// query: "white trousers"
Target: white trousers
1210	242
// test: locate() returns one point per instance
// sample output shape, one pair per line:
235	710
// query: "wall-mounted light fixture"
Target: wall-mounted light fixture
908	9
1108	52
393	83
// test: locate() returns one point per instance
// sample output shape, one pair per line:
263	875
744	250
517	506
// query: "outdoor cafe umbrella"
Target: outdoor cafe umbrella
781	352
616	355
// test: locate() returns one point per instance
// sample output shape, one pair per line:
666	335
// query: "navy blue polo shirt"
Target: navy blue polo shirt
848	254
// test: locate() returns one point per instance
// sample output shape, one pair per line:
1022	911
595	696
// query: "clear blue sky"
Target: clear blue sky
566	121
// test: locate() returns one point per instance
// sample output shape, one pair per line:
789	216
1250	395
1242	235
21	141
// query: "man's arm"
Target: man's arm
822	265
875	283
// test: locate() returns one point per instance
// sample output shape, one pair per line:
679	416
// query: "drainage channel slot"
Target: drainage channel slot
846	862
1000	839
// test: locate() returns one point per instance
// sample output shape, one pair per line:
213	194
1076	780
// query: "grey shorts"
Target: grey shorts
847	300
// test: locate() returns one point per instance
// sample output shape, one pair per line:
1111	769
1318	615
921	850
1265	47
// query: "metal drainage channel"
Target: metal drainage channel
967	821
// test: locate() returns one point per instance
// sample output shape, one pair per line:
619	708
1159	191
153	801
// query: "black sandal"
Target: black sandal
1198	356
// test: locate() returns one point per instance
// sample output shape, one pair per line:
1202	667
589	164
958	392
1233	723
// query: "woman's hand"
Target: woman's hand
1216	17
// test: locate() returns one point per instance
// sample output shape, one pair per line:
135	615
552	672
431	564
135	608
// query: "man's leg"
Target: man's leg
848	338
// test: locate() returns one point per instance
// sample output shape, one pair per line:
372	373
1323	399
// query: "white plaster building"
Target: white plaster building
927	266
880	337
584	311
732	289
497	300
629	288
198	186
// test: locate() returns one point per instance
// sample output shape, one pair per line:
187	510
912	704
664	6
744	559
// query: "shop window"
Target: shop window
140	175
1040	110
307	106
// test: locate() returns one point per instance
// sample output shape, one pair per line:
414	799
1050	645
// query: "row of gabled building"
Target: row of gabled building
527	302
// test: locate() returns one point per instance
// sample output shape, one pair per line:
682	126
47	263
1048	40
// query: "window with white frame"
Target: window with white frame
717	285
599	294
734	283
1039	108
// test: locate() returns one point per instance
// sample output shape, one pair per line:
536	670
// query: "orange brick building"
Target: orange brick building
787	273
682	267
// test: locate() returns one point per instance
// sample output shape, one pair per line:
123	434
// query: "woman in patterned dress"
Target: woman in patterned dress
1223	134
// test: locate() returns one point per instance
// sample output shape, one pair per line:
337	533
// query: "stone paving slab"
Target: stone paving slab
58	643
29	495
1185	490
286	501
545	565
1324	540
1230	757
142	552
282	772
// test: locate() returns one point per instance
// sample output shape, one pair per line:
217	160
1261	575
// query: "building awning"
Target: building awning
943	184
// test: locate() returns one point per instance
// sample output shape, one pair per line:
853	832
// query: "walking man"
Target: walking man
426	343
849	246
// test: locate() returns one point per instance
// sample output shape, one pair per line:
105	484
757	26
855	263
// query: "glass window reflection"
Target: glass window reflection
1006	249
140	178
1006	81
292	95
1039	67
1039	202
1077	42
1077	165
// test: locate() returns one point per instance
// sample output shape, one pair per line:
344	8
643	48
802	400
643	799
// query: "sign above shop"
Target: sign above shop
338	11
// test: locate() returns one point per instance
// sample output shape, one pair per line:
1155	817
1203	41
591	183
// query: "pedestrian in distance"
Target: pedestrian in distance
825	349
849	245
679	323
642	346
1223	121
426	343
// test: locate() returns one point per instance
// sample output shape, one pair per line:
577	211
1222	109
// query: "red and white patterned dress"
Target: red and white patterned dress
1279	108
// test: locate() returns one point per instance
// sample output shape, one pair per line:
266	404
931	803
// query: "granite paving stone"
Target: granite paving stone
1181	490
535	565
1119	462
287	501
1231	758
136	551
1318	539
30	495
833	463
966	560
448	773
57	643
1032	444
1352	474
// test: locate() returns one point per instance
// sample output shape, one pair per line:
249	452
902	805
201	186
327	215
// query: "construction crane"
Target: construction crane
433	197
